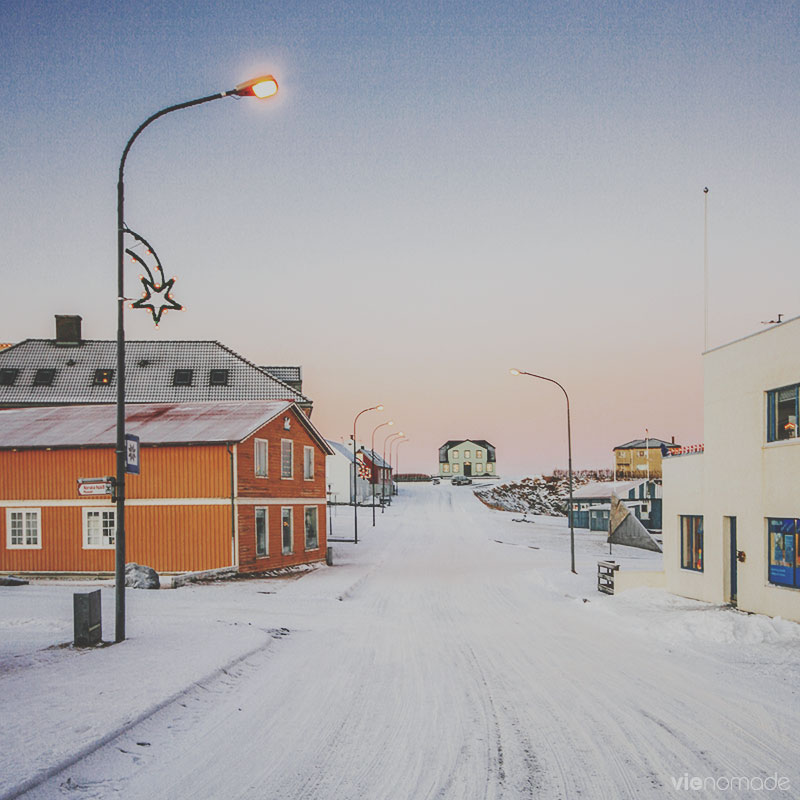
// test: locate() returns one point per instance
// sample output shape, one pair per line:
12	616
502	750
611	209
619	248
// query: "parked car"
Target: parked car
435	481
461	480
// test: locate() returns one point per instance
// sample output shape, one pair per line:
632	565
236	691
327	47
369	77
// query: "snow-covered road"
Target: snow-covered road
454	656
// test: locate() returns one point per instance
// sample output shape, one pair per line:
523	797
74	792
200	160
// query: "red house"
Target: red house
221	484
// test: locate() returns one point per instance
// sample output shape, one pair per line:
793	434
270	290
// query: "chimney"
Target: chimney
68	330
673	440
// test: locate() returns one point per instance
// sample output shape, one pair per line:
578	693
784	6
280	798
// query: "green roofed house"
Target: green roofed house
468	457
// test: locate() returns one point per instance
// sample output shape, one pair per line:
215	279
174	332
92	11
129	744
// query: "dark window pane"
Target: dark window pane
218	377
44	377
8	377
182	377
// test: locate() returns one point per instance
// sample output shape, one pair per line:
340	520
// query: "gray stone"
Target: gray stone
138	576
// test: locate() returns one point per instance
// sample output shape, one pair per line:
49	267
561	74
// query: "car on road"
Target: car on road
435	481
461	480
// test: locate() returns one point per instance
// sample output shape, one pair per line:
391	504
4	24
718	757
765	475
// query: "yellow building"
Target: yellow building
640	458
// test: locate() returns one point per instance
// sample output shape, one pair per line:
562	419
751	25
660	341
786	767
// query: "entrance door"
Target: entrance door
467	469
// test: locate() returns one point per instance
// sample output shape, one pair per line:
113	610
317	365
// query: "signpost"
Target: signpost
92	487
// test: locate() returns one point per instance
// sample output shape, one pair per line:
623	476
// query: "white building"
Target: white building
732	513
339	476
468	457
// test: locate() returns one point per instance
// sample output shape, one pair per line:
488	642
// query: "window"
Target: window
98	528
182	377
490	467
479	454
692	543
23	529
456	467
445	468
8	377
260	450
287	453
286	530
312	533
782	414
218	377
262	535
477	467
454	454
784	558
467	453
308	463
44	377
103	377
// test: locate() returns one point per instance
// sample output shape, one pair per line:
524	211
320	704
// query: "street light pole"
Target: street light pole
397	458
262	87
372	459
383	468
569	456
379	407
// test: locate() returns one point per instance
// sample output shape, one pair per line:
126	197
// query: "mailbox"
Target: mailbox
88	623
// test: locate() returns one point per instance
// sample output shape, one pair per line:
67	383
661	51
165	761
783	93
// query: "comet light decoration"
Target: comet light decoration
157	295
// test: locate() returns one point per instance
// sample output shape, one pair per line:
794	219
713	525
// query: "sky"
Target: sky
440	191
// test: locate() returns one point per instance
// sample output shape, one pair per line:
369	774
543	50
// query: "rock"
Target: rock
11	580
137	576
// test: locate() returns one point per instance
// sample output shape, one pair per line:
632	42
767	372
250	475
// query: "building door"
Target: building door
467	469
734	557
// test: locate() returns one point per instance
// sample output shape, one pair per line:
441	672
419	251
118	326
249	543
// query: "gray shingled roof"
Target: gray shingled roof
148	375
346	451
490	451
642	444
375	458
153	423
285	373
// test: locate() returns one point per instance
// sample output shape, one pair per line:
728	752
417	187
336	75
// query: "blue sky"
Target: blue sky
440	191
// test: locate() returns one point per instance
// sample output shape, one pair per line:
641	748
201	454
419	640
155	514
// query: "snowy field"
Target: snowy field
451	654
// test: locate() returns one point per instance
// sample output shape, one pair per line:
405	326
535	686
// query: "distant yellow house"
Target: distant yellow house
468	457
640	458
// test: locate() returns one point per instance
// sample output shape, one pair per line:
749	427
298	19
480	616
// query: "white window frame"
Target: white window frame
490	467
261	461
456	468
25	512
454	454
467	455
256	510
102	510
308	463
290	442
315	509
284	551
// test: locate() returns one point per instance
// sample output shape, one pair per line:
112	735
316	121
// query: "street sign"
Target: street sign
131	454
92	487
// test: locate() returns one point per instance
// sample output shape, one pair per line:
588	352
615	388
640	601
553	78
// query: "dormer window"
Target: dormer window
103	377
218	377
182	377
44	377
8	377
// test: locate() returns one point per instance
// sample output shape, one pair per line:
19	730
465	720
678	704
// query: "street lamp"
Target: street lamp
397	458
569	454
379	407
372	459
261	87
383	468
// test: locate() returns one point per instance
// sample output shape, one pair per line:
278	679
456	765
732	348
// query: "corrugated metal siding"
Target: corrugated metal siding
167	538
201	471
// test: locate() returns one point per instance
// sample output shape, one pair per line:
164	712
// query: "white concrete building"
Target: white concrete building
339	476
732	513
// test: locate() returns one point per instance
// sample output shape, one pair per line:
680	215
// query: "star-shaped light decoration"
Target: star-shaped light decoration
156	297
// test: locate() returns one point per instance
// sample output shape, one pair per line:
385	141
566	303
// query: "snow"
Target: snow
450	654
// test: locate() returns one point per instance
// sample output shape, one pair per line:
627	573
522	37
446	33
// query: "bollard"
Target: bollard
87	618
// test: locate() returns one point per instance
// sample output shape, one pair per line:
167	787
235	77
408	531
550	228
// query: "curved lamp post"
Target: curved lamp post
372	459
569	455
397	457
379	407
383	482
262	87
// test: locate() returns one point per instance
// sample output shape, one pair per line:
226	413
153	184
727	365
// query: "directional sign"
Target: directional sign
131	454
91	487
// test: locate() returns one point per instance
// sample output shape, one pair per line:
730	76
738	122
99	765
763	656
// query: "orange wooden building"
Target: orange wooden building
222	484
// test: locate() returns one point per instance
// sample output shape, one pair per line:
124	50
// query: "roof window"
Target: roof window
103	377
44	377
218	377
8	377
182	377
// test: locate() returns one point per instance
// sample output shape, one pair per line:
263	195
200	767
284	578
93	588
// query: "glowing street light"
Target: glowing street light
379	407
383	482
569	454
262	87
372	459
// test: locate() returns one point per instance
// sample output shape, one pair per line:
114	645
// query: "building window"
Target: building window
182	377
218	377
467	453
477	467
490	467
44	377
312	531
103	377
308	463
8	377
784	558
23	529
479	454
782	407
262	532
98	528
456	468
445	468
692	543
260	452
287	460
286	530
454	454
